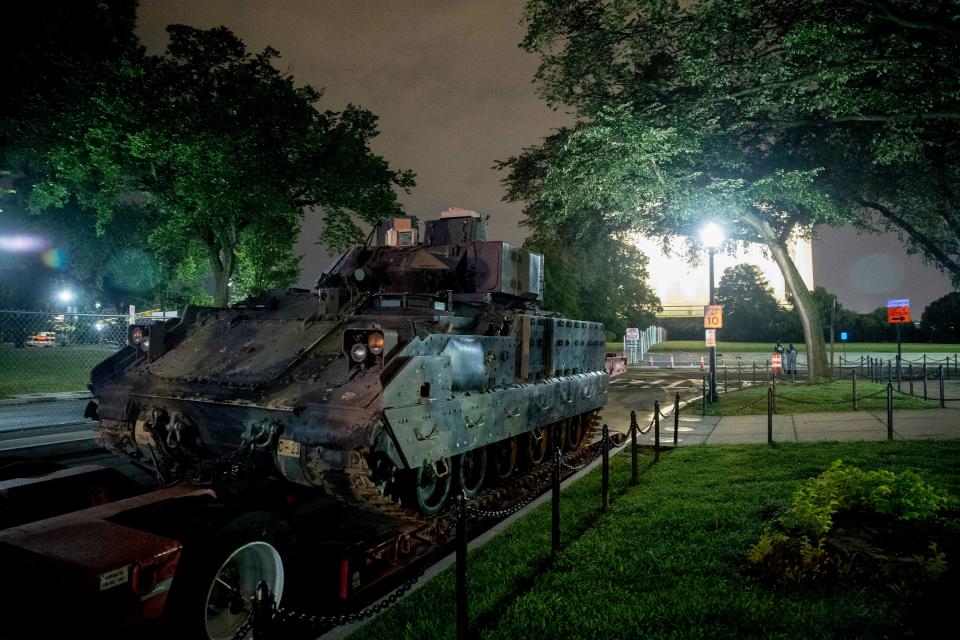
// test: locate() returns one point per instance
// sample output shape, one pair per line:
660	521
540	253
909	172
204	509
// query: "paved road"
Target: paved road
33	415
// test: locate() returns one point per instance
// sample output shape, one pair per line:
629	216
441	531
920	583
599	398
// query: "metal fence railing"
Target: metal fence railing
635	350
52	352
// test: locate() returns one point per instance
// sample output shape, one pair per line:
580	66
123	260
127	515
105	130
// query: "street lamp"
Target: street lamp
65	295
712	237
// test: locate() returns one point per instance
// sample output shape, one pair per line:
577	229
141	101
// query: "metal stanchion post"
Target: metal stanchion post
462	618
769	415
943	402
555	507
754	373
899	370
889	411
739	375
774	391
634	477
676	417
854	379
924	380
262	613
910	376
861	365
656	431
704	396
724	379
605	481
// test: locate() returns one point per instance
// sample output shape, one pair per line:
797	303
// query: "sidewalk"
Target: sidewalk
847	426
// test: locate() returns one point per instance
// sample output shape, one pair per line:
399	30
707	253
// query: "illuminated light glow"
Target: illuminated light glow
55	259
65	296
22	243
712	236
683	287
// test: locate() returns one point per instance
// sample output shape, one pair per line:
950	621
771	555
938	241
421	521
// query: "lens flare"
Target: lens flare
55	259
22	243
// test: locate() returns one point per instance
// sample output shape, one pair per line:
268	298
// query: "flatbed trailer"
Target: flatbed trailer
102	556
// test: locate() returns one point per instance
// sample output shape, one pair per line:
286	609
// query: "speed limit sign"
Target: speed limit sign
713	316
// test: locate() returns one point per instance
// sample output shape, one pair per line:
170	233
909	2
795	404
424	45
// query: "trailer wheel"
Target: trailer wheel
219	573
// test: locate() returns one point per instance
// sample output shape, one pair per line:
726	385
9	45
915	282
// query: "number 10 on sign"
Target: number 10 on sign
713	316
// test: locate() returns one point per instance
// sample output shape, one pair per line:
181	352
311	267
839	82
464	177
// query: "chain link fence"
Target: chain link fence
54	352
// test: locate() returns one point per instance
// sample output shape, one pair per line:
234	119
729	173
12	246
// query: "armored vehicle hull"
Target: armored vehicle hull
411	368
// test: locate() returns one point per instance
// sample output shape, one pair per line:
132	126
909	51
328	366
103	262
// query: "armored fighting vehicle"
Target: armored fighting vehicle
415	364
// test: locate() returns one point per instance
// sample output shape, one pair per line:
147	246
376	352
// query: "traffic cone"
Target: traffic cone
701	363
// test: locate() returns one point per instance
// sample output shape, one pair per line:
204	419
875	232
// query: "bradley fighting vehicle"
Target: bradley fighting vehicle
415	365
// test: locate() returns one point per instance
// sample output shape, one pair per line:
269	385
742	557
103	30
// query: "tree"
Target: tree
222	152
750	310
603	281
663	140
941	319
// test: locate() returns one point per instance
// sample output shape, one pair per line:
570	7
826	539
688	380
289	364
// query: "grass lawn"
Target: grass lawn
667	560
674	346
808	398
48	369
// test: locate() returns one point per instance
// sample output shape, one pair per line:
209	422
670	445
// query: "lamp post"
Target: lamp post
712	237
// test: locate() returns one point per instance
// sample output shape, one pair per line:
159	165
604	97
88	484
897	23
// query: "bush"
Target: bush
841	488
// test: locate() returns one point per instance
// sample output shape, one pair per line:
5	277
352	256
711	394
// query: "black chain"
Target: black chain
745	406
648	427
832	402
509	511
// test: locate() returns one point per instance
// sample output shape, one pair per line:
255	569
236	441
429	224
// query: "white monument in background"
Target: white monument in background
683	287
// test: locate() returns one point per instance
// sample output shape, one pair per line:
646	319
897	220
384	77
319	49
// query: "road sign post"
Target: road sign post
712	320
898	312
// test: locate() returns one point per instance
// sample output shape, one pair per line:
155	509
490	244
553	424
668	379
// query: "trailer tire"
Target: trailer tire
247	548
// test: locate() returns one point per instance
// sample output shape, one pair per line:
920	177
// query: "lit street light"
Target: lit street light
65	295
712	237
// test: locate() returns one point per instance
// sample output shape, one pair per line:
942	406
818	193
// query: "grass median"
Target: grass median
48	369
812	398
668	559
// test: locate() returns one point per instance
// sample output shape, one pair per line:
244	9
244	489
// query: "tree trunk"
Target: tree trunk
817	369
221	254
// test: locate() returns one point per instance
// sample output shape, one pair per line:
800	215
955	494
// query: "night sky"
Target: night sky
454	94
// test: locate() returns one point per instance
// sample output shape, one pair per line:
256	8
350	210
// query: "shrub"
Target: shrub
843	488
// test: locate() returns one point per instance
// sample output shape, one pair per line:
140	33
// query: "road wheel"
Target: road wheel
473	470
538	444
432	486
504	458
574	432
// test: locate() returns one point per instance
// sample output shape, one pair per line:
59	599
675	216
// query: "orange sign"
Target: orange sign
713	316
898	315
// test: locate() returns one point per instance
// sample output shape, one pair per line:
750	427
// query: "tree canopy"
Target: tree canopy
767	116
602	281
205	156
750	310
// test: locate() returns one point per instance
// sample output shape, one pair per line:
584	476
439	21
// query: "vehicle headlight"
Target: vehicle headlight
136	335
358	352
375	343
